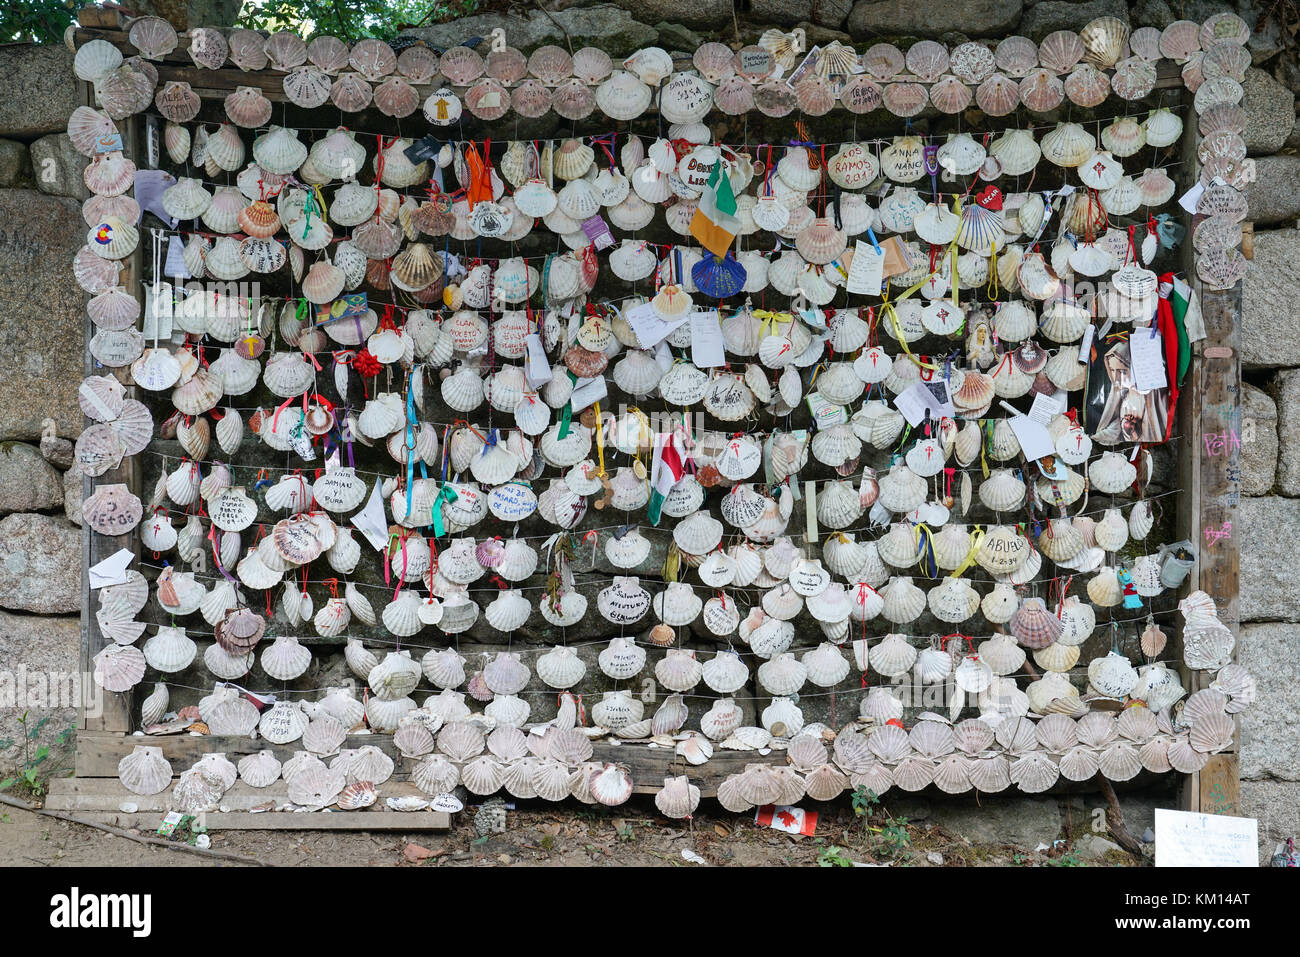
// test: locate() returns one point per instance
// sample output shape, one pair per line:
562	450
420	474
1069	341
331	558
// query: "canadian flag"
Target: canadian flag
782	817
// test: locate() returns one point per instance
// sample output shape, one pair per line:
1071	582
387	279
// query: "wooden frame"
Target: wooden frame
1209	411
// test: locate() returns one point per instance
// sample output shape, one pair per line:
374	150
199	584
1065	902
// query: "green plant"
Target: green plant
832	856
895	835
892	835
35	771
1069	859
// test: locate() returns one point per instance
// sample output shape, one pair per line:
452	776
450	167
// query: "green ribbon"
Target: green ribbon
566	416
445	494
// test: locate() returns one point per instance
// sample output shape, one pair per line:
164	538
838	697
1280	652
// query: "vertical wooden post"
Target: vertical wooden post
116	711
1210	474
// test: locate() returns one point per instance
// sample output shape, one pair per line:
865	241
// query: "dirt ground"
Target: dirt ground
631	835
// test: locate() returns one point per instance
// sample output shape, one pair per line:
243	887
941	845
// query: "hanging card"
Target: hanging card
1148	352
707	348
867	271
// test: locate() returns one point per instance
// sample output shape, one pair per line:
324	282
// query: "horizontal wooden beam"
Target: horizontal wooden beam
216	84
102	800
98	754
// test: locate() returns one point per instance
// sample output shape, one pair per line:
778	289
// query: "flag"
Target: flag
666	470
1188	319
715	224
782	817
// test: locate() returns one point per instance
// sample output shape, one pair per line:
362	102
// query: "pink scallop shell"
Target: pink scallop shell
573	99
350	93
861	94
905	99
1087	86
1145	43
531	98
775	99
1133	78
591	65
1016	55
927	60
328	53
950	95
550	64
734	96
1042	90
998	95
815	95
1180	40
1060	51
396	97
461	65
418	63
373	59
488	99
883	61
508	65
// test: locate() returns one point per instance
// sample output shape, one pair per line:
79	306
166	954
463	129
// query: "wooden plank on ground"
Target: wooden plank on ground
101	800
98	755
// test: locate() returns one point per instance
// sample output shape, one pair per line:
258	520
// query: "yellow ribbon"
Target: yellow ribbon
993	274
921	532
320	201
952	253
770	322
600	440
888	309
976	542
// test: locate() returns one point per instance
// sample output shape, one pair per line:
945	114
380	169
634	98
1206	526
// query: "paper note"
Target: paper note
537	370
1188	199
148	188
924	398
663	357
1147	350
587	391
1035	441
867	270
1190	839
824	412
650	330
1046	407
597	231
707	350
370	521
176	259
1085	347
112	570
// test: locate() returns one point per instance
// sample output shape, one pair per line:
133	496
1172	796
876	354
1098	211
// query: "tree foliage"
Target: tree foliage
43	21
351	19
37	21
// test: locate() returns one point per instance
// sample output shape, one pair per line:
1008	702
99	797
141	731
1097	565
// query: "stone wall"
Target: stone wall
42	317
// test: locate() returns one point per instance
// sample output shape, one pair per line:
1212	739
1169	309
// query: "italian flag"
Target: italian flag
1188	319
666	470
715	224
